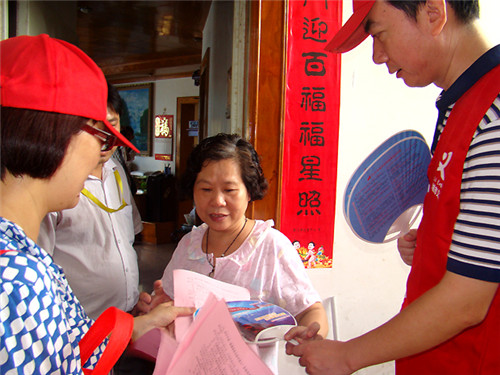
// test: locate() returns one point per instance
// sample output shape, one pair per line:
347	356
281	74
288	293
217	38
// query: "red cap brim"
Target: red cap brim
353	32
122	141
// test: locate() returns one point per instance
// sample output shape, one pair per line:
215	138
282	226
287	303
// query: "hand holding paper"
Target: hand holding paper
212	345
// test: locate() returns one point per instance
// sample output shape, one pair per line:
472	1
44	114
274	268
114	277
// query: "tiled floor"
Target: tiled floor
152	261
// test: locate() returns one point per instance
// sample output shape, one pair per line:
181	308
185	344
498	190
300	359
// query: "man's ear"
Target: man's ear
434	13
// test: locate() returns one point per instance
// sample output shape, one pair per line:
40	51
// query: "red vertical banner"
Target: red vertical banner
311	127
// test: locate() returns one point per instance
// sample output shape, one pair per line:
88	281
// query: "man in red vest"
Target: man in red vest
450	320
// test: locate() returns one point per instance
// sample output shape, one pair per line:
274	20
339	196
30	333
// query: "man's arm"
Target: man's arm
453	305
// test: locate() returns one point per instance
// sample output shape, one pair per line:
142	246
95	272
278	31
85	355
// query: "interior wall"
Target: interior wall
237	88
218	36
166	93
4	19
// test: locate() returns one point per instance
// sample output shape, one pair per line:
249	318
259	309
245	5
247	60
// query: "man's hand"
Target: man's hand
406	246
321	356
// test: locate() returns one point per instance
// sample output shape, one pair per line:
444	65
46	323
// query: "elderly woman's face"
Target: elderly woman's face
220	195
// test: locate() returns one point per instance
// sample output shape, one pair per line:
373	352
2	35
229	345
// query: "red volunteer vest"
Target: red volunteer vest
476	350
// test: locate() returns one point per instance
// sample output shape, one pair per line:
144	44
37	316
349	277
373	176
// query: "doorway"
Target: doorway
186	140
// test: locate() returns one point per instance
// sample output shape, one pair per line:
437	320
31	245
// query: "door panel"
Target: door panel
187	110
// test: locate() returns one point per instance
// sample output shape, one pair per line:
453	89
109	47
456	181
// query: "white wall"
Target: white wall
166	93
218	36
368	280
4	19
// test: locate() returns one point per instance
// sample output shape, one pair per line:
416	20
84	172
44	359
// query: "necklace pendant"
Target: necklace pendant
211	274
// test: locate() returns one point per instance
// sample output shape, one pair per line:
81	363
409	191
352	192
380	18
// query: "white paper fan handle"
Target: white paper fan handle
403	223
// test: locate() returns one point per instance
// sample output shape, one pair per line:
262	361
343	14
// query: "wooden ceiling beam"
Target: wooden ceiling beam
141	64
150	78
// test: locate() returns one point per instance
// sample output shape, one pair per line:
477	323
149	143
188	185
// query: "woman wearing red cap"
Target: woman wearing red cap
53	115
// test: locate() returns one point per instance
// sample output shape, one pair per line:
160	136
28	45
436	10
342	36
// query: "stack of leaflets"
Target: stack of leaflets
216	339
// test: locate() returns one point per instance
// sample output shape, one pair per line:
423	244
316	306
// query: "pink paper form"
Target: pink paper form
192	289
214	346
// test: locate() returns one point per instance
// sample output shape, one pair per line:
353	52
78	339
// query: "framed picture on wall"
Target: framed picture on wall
138	114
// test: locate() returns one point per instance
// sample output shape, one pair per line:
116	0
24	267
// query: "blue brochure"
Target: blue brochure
260	322
384	196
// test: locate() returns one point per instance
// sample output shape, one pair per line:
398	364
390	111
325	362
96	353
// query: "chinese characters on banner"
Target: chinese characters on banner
164	128
311	130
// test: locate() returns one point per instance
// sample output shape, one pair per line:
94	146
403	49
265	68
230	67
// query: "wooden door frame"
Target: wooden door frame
184	204
265	105
181	100
204	91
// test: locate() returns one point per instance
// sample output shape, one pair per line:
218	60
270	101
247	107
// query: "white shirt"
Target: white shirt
94	247
266	263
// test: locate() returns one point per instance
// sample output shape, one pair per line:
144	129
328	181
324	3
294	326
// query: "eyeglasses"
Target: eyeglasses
108	140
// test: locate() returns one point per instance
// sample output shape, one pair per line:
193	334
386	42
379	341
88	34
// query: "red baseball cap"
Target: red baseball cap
353	32
47	74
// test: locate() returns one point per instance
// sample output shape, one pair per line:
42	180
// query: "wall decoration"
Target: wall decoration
164	126
312	102
164	130
137	113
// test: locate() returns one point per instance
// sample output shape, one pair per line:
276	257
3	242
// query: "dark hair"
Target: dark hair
227	146
128	132
465	10
34	143
115	101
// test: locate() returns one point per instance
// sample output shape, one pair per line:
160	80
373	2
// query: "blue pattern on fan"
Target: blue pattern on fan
384	195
